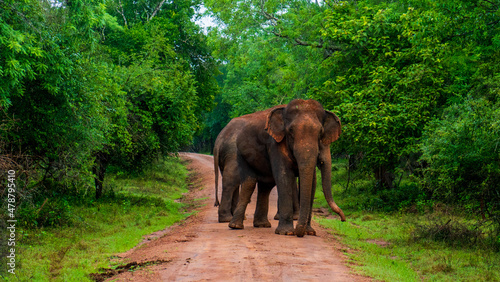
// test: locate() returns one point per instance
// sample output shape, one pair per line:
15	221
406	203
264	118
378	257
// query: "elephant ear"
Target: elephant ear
332	128
275	124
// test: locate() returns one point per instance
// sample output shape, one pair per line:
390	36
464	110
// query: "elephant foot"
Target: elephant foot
285	230
300	230
236	225
226	218
262	223
310	231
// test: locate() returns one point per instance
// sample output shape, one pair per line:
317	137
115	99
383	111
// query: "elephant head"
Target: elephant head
308	131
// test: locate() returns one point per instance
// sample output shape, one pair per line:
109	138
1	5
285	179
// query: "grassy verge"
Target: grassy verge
132	207
419	242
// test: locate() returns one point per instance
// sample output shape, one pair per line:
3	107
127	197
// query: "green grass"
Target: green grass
98	230
394	245
383	246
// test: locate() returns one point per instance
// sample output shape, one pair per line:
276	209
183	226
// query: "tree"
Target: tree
461	149
388	81
387	68
270	51
82	88
44	81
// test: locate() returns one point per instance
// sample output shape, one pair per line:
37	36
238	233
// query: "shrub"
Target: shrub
463	153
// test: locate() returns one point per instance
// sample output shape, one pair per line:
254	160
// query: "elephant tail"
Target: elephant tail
216	170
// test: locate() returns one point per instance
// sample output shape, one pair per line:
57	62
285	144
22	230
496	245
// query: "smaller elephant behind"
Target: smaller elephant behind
226	159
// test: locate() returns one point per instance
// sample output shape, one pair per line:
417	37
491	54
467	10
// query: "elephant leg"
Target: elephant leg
296	205
247	187
236	196
277	215
285	183
230	189
262	207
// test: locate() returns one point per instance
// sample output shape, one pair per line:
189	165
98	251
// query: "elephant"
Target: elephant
225	159
274	147
224	152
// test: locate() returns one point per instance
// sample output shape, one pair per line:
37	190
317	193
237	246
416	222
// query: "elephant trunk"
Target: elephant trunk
307	167
326	181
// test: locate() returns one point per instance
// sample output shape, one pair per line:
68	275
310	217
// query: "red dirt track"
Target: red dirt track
201	249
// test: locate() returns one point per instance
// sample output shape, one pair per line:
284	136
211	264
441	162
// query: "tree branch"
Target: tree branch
299	42
492	4
122	12
26	20
157	9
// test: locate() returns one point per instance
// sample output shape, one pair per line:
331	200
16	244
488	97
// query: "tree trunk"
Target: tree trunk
384	177
99	170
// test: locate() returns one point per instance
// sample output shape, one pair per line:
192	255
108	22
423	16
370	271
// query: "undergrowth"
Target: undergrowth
90	232
402	235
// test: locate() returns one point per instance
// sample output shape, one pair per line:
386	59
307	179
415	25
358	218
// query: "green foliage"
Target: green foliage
160	99
390	247
81	87
97	230
50	113
357	191
399	75
259	45
421	240
49	212
214	122
454	233
462	151
387	68
395	80
173	21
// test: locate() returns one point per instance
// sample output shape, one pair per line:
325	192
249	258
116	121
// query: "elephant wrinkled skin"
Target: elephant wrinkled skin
274	147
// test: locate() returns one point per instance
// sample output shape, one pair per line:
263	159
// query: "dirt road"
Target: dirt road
201	249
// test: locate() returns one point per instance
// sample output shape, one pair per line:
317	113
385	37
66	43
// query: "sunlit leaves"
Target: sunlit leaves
388	81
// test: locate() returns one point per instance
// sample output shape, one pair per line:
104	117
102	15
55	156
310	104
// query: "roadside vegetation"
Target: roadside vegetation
403	236
89	232
94	97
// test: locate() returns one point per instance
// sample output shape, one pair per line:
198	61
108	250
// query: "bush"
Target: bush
458	234
50	212
451	232
462	150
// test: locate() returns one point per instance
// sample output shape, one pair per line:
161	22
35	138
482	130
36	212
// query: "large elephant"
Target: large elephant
278	145
226	159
